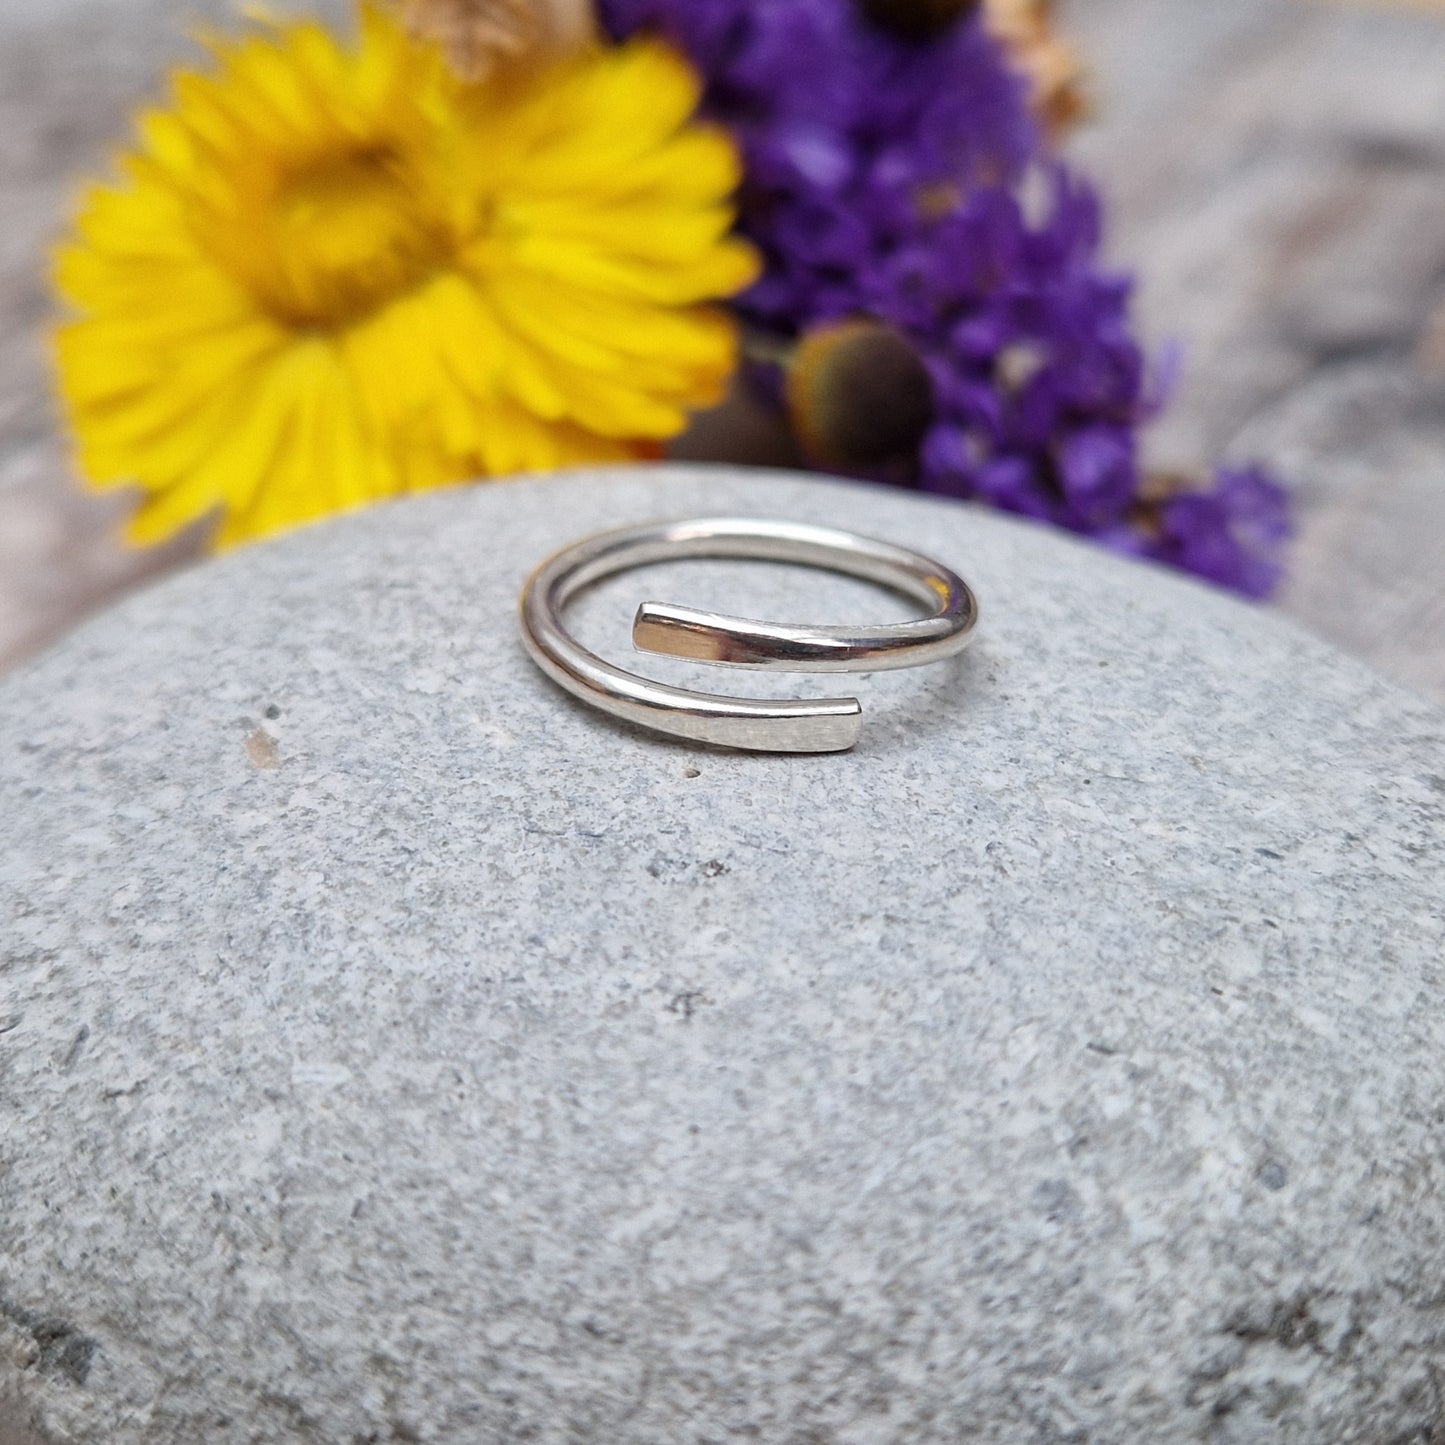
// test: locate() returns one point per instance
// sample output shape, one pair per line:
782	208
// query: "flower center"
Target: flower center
347	233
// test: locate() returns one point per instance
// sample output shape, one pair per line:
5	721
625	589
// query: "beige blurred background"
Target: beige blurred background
1277	173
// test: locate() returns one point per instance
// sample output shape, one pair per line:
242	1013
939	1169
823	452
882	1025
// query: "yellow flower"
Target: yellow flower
329	275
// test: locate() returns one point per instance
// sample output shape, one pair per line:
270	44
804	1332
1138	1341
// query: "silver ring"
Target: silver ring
784	725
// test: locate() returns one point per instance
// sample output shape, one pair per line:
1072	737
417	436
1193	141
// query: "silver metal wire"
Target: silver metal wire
781	725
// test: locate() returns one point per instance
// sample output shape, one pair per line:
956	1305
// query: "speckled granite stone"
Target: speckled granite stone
394	1050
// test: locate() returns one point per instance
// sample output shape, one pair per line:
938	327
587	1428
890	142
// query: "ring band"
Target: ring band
782	725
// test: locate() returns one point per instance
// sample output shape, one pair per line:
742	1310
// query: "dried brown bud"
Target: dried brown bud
859	394
1028	31
917	19
1155	489
482	37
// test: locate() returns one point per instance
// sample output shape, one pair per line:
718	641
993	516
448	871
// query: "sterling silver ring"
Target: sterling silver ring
785	725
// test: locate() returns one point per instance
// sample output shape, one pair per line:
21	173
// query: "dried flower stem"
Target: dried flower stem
1029	30
482	37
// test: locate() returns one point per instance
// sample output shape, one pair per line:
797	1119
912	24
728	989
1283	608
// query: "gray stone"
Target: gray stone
396	1051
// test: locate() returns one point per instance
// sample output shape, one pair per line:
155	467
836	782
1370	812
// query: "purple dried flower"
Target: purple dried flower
886	177
844	129
1039	384
1232	534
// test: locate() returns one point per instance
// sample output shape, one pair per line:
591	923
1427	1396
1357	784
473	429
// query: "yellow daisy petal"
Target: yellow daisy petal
331	272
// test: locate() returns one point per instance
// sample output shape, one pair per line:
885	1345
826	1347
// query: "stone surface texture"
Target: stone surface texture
393	1050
